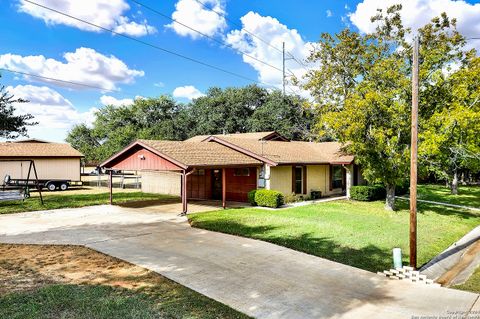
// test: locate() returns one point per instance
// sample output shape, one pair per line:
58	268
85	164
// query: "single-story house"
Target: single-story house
53	161
228	166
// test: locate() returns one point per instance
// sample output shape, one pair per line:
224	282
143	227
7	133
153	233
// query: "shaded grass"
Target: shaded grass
467	195
76	282
360	234
77	200
104	302
472	284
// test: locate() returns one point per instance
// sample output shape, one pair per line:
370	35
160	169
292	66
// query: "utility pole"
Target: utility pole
413	158
283	68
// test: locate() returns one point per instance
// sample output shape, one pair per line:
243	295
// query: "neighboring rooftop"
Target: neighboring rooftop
266	136
37	149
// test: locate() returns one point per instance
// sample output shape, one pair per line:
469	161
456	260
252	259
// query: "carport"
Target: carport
206	170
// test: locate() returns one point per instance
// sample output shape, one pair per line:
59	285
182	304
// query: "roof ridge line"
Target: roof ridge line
240	149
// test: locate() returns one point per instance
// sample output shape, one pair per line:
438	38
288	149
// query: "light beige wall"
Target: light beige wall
161	182
318	178
281	179
55	168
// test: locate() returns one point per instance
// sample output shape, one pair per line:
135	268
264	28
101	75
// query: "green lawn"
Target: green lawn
105	302
361	234
467	195
472	284
75	200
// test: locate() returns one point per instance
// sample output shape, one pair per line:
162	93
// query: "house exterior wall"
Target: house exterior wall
142	159
47	168
161	182
281	179
318	178
199	186
239	186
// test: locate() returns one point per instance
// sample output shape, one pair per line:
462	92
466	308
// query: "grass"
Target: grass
360	234
76	200
467	195
472	284
76	282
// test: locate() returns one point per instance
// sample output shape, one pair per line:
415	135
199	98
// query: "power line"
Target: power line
249	32
62	81
237	25
151	45
205	35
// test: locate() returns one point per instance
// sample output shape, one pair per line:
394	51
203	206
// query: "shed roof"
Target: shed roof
26	150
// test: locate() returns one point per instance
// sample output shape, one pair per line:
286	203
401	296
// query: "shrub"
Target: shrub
269	198
251	197
290	198
367	193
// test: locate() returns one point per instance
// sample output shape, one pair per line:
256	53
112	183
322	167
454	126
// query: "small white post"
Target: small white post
349	171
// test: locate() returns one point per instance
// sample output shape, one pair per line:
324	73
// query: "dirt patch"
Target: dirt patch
27	267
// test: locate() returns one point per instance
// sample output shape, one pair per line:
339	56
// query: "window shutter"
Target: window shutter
293	179
304	179
330	177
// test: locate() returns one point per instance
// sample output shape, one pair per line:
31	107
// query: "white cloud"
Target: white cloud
329	13
416	13
110	100
193	14
55	114
188	92
82	66
275	33
159	84
105	13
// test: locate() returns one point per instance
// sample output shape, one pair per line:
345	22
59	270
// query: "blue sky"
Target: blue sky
38	41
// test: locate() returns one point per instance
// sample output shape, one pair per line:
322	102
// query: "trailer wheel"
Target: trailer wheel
63	186
51	187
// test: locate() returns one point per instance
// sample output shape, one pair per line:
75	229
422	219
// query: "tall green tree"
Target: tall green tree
11	125
81	138
362	90
116	127
225	110
287	115
450	138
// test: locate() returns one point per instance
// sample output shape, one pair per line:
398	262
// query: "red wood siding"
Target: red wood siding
200	186
133	161
239	186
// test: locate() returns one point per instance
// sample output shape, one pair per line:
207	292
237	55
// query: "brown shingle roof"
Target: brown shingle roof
294	151
200	154
250	136
8	150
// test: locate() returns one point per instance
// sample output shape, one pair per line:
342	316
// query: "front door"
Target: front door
217	184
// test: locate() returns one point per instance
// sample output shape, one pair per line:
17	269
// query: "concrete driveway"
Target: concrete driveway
260	279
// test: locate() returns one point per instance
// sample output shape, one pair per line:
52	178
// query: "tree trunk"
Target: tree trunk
454	187
390	200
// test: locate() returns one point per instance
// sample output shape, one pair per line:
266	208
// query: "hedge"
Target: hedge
251	197
367	193
269	198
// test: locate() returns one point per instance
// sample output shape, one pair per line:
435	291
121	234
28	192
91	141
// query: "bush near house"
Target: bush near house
251	197
367	193
269	198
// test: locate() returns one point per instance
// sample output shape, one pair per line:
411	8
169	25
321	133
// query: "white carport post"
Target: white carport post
348	178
